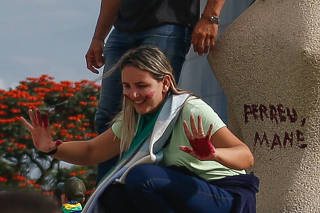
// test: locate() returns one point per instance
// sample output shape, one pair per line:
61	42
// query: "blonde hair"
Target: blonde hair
149	59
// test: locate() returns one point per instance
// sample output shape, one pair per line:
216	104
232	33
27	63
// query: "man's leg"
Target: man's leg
111	90
172	40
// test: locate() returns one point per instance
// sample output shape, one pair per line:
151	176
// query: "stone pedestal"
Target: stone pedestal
268	64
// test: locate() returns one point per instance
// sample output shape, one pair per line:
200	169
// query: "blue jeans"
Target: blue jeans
173	40
151	188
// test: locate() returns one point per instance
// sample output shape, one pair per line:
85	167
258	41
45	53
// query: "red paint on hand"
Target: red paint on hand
185	149
202	146
39	117
45	119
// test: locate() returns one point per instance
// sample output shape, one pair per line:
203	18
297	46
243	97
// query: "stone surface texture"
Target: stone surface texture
268	64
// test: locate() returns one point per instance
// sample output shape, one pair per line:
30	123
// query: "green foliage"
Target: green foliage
70	106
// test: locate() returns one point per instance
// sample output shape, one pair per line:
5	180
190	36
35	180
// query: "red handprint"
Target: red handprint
202	147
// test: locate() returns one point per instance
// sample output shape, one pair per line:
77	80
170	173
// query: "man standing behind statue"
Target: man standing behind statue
170	25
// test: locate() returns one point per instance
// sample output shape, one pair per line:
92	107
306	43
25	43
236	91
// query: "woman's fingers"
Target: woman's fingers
30	128
45	119
209	131
197	130
33	118
193	126
186	130
26	124
200	127
186	149
38	117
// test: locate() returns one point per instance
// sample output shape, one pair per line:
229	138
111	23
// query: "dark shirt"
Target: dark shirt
138	15
243	188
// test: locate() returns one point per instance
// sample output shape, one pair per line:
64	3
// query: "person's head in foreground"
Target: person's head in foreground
27	202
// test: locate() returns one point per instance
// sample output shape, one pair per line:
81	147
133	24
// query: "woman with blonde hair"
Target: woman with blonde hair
202	168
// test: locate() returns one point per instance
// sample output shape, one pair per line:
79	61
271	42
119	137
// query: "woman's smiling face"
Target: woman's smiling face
143	91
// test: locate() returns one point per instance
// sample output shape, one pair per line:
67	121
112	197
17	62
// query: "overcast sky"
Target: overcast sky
45	37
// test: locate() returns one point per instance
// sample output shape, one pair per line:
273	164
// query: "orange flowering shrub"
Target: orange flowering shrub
70	106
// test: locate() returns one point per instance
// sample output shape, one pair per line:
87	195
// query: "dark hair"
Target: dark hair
27	202
74	189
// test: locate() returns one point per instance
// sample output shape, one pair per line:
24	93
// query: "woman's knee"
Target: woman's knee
140	174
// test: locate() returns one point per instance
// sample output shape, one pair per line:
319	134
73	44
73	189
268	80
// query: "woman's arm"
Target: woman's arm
96	150
223	146
230	151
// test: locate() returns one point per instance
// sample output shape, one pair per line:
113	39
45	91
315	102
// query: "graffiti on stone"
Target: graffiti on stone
277	115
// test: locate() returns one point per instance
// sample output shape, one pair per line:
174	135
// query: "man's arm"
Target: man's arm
108	13
205	32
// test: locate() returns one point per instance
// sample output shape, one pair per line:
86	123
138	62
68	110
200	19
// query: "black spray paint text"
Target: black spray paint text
277	114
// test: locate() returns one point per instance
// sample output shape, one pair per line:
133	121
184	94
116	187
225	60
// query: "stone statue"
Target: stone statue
268	64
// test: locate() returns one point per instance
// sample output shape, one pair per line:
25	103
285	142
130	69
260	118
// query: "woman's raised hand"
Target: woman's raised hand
202	147
39	130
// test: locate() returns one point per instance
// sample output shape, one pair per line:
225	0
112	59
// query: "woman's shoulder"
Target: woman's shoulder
195	104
